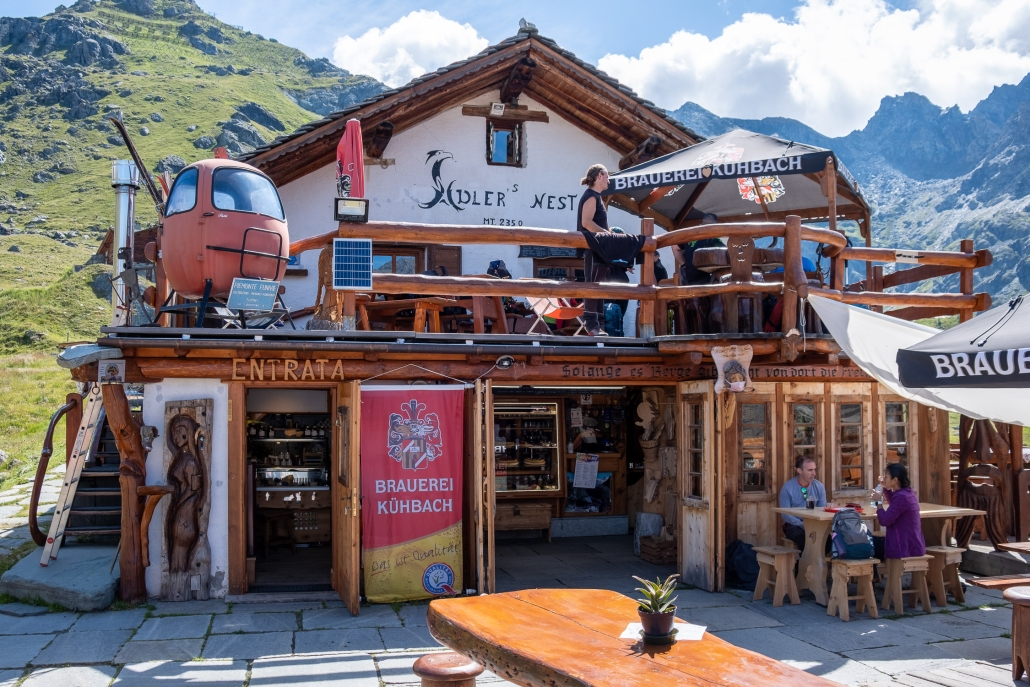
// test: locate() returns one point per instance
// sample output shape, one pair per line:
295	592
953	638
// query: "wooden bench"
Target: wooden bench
943	574
547	637
426	309
776	570
1001	582
865	601
893	593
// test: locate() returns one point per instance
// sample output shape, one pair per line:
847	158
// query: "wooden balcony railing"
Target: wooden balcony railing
795	284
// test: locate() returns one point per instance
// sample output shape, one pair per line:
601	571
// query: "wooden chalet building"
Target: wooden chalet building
275	418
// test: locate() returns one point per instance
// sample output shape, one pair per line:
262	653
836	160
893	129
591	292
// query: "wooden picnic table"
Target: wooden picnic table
1000	582
570	637
812	566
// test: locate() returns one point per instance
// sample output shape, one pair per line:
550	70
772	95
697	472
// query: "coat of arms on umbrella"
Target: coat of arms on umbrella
770	187
414	441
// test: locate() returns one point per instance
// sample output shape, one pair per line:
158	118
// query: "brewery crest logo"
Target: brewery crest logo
770	187
414	441
727	152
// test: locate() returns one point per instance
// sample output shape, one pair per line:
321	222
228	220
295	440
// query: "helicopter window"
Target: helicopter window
243	191
184	193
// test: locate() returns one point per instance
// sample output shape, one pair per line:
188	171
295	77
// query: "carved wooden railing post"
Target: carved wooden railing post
132	475
647	279
965	280
876	285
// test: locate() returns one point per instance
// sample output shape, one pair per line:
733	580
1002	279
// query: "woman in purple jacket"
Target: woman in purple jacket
900	516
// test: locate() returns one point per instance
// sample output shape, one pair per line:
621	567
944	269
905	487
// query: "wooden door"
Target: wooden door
700	545
346	492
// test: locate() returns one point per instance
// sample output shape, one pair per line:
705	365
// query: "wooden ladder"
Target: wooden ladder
89	428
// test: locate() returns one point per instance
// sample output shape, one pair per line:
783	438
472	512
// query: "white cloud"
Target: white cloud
831	64
415	44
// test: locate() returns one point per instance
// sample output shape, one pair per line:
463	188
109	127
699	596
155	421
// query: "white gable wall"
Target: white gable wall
542	193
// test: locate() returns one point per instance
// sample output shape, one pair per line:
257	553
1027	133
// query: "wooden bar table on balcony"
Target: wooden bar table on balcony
570	637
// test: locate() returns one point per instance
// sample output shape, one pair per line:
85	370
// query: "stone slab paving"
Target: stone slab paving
75	676
21	610
313	639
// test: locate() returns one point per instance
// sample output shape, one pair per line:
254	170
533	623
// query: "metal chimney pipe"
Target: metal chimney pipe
125	181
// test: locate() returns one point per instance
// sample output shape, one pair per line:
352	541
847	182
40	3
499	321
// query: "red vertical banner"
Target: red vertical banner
412	448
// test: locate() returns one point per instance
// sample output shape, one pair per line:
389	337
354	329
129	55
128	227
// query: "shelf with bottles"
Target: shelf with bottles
268	445
526	448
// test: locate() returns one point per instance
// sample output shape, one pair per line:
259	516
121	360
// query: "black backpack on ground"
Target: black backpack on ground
741	565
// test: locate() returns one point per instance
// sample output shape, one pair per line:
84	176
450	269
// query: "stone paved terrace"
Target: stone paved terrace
256	641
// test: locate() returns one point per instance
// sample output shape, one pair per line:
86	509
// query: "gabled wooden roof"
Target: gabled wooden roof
579	92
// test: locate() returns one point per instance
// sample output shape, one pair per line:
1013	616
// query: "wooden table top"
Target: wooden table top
1016	546
1001	582
926	510
570	637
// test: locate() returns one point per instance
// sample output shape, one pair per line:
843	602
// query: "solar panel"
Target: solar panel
352	264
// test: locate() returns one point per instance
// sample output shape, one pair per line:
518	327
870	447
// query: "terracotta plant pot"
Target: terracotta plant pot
657	624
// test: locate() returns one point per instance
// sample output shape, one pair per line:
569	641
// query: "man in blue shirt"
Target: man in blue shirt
796	493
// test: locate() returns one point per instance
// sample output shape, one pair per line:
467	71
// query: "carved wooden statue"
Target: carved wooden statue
189	504
328	302
981	444
521	75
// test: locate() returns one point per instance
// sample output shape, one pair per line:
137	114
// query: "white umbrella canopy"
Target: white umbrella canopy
873	339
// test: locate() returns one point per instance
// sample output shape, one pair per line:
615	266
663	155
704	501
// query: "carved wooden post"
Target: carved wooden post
132	475
965	281
647	279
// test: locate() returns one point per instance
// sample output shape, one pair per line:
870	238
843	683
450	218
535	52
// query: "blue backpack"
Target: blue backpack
613	319
851	538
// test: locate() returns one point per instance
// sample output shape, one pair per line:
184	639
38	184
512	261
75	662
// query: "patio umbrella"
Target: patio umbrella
991	351
350	162
736	176
873	341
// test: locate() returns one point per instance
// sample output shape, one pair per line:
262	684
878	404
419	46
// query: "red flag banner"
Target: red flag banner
412	446
350	162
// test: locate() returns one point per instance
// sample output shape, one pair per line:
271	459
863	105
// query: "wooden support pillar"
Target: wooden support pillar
837	273
876	285
831	191
795	283
132	475
646	309
965	281
349	307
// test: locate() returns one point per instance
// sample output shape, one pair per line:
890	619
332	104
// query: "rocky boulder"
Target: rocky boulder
203	46
245	133
204	143
143	8
172	164
258	114
190	29
85	52
350	91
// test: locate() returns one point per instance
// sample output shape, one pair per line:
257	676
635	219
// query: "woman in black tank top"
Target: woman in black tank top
592	217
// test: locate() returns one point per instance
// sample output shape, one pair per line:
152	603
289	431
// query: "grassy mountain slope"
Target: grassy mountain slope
183	82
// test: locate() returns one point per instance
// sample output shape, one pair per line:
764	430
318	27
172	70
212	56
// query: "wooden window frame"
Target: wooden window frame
840	492
394	250
911	435
817	404
770	472
571	264
689	451
517	129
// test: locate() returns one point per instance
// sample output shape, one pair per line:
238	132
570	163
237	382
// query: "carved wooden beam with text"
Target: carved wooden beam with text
647	150
521	75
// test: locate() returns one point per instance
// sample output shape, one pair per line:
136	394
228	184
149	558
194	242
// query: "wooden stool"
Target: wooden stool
447	669
943	574
865	601
894	594
788	543
776	570
1019	597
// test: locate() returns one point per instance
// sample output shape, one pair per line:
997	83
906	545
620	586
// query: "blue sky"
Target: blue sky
827	63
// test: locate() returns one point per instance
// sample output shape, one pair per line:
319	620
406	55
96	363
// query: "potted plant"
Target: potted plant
656	609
